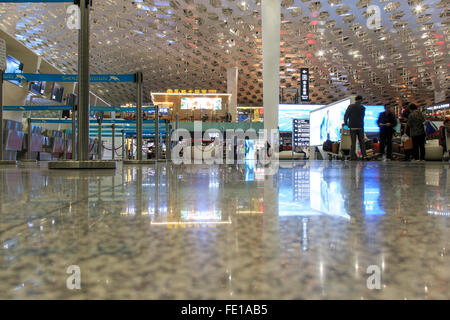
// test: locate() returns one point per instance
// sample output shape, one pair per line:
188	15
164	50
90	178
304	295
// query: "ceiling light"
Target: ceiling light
320	53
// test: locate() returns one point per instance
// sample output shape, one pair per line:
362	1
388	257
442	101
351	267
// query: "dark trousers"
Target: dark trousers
419	146
360	134
408	154
386	143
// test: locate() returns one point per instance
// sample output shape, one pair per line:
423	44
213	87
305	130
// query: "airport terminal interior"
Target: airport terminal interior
225	149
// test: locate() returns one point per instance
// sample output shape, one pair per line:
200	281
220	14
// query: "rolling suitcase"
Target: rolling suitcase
346	140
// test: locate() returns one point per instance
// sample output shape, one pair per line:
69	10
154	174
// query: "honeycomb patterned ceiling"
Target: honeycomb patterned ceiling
189	44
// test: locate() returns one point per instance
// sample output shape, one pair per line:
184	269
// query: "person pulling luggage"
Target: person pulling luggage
354	119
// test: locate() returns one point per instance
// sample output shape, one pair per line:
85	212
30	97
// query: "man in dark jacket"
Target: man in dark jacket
354	119
386	122
417	132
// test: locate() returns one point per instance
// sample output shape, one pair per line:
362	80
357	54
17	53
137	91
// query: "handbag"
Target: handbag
335	147
327	146
408	144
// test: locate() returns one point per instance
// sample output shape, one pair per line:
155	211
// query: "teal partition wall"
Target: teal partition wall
225	125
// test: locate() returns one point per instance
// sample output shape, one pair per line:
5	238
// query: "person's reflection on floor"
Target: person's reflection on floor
352	189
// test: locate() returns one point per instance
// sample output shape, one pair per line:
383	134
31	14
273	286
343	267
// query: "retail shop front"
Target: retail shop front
194	105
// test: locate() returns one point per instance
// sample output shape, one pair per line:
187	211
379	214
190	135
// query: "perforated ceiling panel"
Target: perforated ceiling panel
189	44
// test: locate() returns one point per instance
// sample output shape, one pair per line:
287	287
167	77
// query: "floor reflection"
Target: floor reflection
199	232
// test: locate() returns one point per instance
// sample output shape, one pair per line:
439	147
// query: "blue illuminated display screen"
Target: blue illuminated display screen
370	120
288	112
13	66
326	123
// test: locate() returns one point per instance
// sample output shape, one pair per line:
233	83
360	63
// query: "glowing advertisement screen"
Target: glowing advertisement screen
370	120
326	123
289	112
201	103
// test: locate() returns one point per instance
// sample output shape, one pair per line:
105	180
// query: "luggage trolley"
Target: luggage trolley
346	144
344	149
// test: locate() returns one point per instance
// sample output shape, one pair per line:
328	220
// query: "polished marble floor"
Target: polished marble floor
309	231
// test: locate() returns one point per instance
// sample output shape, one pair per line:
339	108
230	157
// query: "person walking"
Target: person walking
404	118
417	132
444	133
354	119
386	122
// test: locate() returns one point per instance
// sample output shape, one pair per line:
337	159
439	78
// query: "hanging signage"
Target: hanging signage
304	84
2	54
300	133
68	77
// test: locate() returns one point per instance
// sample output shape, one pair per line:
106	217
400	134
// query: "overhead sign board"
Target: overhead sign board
68	77
304	84
300	133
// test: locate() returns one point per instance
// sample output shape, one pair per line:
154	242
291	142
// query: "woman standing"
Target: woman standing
417	132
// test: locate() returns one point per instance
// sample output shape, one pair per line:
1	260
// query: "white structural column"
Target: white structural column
271	62
232	87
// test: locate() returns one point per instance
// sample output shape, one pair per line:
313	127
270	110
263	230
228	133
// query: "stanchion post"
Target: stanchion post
74	133
139	80
99	141
157	132
167	140
29	139
1	115
123	144
113	144
176	121
65	144
83	82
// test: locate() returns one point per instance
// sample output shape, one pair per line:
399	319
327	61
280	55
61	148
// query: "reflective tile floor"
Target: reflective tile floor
309	231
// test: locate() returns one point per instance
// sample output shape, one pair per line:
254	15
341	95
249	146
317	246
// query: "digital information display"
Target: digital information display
289	112
300	133
201	103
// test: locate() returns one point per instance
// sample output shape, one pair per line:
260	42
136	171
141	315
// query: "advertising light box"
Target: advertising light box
371	118
326	123
201	103
289	112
